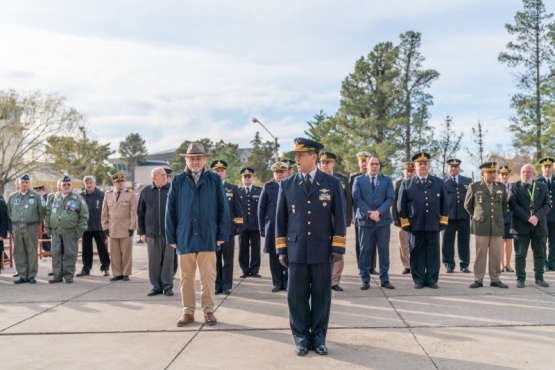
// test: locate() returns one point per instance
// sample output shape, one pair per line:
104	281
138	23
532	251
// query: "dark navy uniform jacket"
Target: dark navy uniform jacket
235	209
551	189
456	194
250	207
348	197
267	214
507	212
311	224
423	207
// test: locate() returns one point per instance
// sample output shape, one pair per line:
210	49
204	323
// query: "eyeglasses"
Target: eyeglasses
247	176
66	184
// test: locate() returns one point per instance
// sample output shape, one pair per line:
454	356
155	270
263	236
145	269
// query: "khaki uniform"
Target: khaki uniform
486	208
26	212
119	215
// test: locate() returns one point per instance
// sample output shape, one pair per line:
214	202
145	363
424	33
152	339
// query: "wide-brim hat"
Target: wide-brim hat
195	150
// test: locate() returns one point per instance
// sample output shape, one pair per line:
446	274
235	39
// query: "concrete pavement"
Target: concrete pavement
97	324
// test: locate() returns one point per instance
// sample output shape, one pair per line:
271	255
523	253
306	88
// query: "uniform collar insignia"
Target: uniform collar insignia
324	190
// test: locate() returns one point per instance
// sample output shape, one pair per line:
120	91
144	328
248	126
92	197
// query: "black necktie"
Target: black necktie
455	180
373	183
308	182
248	191
117	195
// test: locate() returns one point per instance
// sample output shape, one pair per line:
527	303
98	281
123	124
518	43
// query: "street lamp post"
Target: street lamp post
255	120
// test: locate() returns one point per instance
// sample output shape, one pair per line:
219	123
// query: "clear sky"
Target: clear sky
184	70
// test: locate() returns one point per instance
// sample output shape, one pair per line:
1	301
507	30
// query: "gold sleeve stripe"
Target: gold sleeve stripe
443	220
238	220
339	241
281	242
405	222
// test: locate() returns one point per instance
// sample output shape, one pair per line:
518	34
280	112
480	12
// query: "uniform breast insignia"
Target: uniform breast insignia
324	195
293	208
31	201
325	204
16	201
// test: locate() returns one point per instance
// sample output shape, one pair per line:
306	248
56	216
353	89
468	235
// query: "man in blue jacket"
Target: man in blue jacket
311	224
373	195
197	224
548	179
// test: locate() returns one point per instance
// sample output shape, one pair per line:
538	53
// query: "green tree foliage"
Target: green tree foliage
447	145
532	53
79	157
313	132
132	151
261	157
26	121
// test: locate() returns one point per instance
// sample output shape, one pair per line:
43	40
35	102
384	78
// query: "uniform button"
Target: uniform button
426	211
492	216
426	198
308	212
309	202
249	213
425	191
426	204
309	233
309	222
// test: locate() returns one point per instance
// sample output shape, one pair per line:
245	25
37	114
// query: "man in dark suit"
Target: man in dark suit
404	248
311	224
373	195
423	211
529	202
249	239
267	221
224	257
327	165
459	220
4	222
548	179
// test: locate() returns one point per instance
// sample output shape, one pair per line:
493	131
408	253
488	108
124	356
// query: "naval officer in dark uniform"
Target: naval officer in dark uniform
267	221
224	257
548	179
459	219
311	224
423	211
249	240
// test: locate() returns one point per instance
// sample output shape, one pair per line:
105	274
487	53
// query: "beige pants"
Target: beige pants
404	249
206	262
337	271
121	251
487	245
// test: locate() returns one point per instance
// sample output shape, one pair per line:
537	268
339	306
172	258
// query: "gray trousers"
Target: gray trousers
64	254
26	243
160	263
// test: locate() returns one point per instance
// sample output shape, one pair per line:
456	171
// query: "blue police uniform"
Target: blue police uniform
267	221
310	224
550	252
249	240
459	224
423	210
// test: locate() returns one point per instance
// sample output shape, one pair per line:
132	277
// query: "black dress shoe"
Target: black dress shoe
520	284
51	274
387	285
465	270
20	281
227	291
542	283
275	289
498	284
32	280
243	276
54	281
301	350
508	269
115	278
17	275
154	292
418	286
321	349
83	273
406	271
337	288
256	275
69	280
433	285
125	278
449	270
374	272
476	284
106	273
218	291
365	286
168	292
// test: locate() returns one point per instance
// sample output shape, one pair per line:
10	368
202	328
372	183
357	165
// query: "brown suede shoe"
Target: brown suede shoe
210	319
185	320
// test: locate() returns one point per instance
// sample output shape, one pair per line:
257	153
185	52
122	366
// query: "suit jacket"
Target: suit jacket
380	199
394	210
311	223
456	194
348	197
551	189
507	212
486	209
267	214
522	208
119	216
235	208
423	206
250	207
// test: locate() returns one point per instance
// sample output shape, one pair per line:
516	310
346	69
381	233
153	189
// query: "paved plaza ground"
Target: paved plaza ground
97	324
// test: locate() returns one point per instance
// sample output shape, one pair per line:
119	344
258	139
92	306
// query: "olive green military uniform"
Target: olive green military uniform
66	218
26	213
486	207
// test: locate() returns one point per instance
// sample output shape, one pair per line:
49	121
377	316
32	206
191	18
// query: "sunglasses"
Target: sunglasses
66	185
247	176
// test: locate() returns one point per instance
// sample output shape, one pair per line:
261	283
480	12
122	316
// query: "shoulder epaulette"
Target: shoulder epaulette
109	191
129	191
